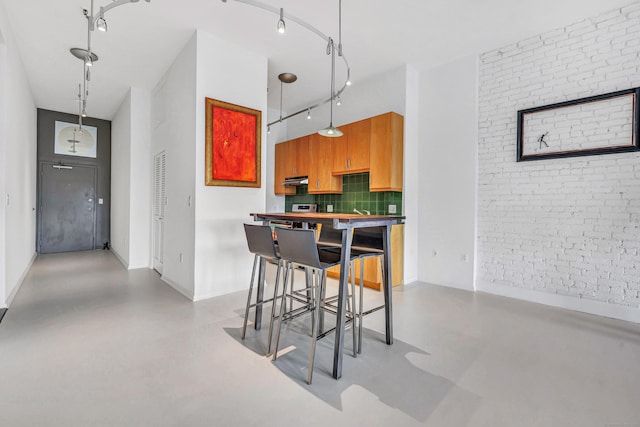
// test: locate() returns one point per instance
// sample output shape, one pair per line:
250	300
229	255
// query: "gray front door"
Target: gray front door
67	208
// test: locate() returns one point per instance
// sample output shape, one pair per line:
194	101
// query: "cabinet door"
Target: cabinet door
340	152
302	156
386	152
281	167
321	180
358	136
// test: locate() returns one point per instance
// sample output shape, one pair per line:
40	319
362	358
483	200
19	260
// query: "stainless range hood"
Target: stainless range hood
296	180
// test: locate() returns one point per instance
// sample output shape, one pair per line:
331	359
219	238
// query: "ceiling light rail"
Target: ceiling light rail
331	48
94	21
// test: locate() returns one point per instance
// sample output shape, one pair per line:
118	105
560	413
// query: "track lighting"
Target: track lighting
94	22
101	24
282	28
331	49
338	101
268	130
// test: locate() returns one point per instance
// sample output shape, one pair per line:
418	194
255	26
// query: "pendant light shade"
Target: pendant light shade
330	131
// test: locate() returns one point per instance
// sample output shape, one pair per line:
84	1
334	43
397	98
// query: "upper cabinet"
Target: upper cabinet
372	145
386	152
281	167
321	179
352	149
297	157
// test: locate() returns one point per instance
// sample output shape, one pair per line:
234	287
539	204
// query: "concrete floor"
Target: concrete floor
88	343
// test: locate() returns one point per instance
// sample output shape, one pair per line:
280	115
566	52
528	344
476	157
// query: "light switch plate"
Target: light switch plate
392	209
100	201
329	208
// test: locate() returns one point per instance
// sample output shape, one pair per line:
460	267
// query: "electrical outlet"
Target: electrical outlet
180	257
392	209
329	208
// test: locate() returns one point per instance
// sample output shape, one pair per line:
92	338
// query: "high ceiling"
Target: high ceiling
144	38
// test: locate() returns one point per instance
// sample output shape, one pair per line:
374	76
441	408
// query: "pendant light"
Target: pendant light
331	131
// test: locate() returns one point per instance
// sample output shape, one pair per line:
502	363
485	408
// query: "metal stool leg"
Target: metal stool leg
315	317
353	306
288	267
273	307
246	312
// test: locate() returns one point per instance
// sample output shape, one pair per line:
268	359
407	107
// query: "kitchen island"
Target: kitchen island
346	223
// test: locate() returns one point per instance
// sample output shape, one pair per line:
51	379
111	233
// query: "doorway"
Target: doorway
67	220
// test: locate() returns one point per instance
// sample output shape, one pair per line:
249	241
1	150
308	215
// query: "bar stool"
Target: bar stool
261	244
299	247
366	243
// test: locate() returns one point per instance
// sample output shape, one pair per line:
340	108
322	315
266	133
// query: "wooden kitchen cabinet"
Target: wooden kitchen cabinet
321	179
386	152
297	157
372	270
352	149
281	167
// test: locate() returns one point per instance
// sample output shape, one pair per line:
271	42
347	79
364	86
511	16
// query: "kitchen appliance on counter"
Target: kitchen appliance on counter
303	208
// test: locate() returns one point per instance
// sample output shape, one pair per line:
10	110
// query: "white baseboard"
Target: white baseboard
122	261
599	308
23	276
187	294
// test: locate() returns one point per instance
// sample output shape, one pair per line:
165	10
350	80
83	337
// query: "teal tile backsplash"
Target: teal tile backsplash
355	195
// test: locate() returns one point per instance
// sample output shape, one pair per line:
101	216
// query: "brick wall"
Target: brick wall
562	226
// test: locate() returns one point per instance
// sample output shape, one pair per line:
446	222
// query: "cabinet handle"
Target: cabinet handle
317	184
348	163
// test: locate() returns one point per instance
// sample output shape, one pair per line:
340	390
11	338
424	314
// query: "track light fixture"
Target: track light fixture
282	27
338	101
94	22
330	50
101	25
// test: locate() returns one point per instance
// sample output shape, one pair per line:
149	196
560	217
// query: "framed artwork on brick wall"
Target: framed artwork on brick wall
601	124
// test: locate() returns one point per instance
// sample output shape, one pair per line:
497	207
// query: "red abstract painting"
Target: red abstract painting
233	145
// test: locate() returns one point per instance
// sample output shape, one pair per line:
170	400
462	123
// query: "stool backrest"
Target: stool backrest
298	246
260	240
328	234
369	237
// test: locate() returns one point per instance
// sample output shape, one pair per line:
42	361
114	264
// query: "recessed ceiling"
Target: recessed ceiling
144	38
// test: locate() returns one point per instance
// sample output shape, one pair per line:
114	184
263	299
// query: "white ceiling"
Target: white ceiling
144	38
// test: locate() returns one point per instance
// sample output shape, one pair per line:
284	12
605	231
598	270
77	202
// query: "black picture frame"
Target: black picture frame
528	119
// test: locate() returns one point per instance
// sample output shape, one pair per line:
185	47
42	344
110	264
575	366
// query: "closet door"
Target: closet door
159	203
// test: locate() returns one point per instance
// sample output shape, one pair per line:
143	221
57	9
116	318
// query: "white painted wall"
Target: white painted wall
121	180
141	182
278	133
18	149
173	112
411	188
130	180
448	134
559	231
223	263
